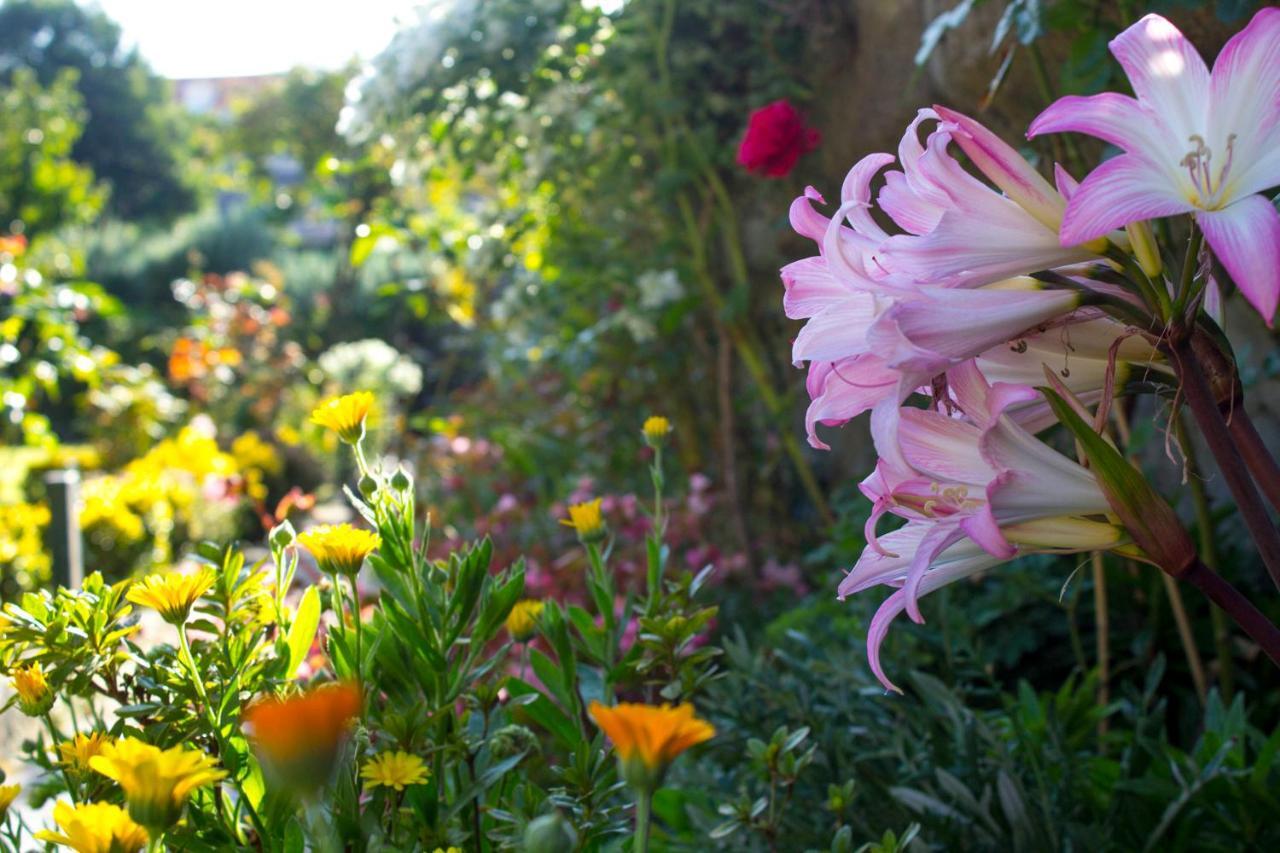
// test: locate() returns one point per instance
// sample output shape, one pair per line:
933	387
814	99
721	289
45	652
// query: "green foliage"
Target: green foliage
297	117
48	358
500	723
129	139
41	187
973	769
1084	26
139	264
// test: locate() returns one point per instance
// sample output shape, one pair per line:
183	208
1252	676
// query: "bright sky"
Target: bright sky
232	38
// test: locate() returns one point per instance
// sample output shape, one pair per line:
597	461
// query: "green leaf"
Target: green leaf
544	712
303	630
1147	517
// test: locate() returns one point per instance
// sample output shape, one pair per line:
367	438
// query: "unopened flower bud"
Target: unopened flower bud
550	833
368	486
512	740
401	481
283	535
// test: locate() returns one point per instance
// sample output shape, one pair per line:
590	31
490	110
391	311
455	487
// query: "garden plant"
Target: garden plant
443	478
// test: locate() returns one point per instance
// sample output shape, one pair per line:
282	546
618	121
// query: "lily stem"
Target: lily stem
1208	554
1263	466
1238	607
1221	444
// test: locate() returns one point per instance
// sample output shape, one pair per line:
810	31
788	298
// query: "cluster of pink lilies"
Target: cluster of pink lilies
1014	305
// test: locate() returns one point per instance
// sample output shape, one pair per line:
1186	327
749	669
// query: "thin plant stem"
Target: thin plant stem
190	661
644	809
1102	625
1262	465
1238	607
1189	265
1208	555
57	739
338	597
1187	636
1212	425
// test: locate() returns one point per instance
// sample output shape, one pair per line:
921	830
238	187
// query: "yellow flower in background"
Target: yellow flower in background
8	793
586	519
34	696
95	828
345	415
156	782
648	738
172	594
74	754
257	460
655	429
22	547
298	739
340	548
394	770
522	621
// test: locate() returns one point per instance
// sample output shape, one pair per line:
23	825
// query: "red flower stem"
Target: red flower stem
1237	606
1262	465
1199	397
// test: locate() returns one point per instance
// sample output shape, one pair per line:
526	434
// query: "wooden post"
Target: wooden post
66	549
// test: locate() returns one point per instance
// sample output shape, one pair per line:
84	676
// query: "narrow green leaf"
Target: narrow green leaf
302	632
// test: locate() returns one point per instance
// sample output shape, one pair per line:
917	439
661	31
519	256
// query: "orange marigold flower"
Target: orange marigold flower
648	738
345	415
297	739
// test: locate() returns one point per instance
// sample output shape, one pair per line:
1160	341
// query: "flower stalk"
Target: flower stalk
1200	400
1237	606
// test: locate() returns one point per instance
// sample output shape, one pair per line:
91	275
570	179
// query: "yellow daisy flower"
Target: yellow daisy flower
586	518
156	782
8	793
655	429
74	754
340	548
648	738
172	594
522	621
35	698
95	828
394	770
345	415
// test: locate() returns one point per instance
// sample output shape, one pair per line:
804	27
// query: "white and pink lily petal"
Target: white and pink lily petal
1195	141
841	390
960	558
960	232
939	328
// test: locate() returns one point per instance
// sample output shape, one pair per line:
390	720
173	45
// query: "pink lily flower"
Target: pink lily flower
977	490
1195	141
880	309
960	232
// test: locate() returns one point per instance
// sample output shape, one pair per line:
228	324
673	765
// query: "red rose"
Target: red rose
776	138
